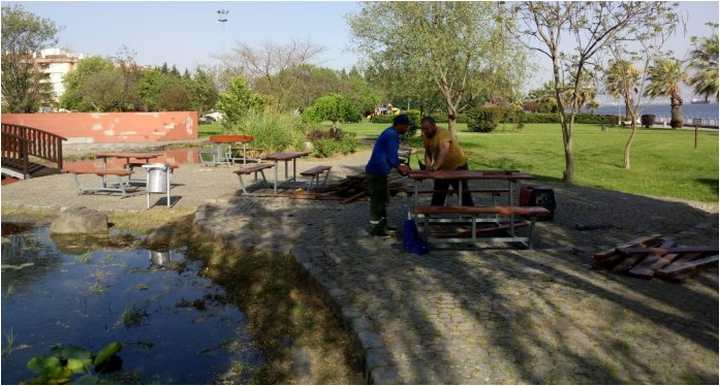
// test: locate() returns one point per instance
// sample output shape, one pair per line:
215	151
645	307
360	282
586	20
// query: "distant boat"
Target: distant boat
697	101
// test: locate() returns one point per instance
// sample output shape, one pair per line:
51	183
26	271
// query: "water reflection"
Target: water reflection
75	294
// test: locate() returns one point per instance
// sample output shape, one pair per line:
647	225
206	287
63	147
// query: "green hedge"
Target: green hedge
484	119
579	118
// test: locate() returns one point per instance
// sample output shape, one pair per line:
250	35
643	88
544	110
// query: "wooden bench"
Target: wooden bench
475	214
122	187
315	173
247	169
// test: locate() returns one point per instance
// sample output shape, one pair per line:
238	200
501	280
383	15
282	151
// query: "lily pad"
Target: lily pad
107	352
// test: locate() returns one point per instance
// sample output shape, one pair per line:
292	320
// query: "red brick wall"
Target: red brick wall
113	127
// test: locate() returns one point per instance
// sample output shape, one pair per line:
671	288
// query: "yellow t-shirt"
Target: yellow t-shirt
455	157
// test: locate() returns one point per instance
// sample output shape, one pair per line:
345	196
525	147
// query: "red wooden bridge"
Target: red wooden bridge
28	152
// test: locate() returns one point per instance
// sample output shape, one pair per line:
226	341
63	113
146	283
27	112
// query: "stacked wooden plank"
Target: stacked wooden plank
347	190
656	256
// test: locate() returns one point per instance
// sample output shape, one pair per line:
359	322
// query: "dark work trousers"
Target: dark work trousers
441	187
379	197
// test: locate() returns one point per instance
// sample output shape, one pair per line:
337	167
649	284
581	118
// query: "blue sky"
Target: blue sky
188	34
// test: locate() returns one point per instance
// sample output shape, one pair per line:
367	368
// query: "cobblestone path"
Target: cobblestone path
500	315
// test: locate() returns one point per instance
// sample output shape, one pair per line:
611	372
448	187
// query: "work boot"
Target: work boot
378	228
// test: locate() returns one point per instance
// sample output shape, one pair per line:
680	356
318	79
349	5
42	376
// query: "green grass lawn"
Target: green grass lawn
664	162
208	129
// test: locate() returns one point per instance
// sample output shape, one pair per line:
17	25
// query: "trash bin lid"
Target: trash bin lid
155	166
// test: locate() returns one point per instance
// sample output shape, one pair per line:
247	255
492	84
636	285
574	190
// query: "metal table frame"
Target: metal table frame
285	157
512	177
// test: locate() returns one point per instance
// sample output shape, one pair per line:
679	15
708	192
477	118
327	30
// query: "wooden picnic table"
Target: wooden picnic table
227	139
511	176
127	155
143	157
285	156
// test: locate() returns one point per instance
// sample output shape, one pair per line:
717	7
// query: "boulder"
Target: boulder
80	220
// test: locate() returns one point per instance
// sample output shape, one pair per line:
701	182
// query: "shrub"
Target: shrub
647	120
382	118
415	118
484	119
273	131
329	142
335	108
443	118
238	101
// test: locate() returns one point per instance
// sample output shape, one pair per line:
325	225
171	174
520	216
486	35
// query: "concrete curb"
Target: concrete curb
378	365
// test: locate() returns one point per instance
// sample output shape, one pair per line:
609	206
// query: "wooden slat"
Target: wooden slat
610	256
680	267
663	251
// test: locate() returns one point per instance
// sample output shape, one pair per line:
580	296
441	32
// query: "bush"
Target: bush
335	108
443	118
329	142
382	118
273	131
647	120
484	119
579	118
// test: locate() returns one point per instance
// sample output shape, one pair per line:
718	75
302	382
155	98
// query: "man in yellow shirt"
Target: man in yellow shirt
442	152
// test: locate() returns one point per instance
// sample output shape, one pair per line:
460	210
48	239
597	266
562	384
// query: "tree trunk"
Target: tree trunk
630	109
452	118
676	120
566	127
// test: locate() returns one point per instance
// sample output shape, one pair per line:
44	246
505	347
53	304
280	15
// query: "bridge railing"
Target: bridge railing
20	142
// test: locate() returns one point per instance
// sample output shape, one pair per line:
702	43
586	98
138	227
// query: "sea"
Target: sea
707	112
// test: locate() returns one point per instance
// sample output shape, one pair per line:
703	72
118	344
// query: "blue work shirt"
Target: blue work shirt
385	153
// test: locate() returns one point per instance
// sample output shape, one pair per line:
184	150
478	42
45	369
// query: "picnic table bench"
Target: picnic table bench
475	215
122	187
247	169
315	173
495	215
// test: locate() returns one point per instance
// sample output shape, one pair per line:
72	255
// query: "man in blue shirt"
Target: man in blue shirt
383	159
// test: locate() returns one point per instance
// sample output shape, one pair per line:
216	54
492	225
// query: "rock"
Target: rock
308	146
161	239
80	220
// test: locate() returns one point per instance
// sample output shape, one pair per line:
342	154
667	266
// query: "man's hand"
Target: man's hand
403	169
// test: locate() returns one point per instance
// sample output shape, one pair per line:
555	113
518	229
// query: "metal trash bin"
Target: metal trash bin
157	181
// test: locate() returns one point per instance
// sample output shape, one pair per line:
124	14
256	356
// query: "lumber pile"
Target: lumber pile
656	256
353	188
347	190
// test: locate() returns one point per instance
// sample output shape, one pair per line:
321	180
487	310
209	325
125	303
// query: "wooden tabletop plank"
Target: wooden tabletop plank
285	155
231	138
128	155
468	175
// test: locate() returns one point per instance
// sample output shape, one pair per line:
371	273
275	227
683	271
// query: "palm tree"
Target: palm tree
621	81
704	63
665	76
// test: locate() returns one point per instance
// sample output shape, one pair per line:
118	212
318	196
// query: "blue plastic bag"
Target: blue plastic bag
411	238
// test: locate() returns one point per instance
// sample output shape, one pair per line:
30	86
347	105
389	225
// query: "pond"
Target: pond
174	325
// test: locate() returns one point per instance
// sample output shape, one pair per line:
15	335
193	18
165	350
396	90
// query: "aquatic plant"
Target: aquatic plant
66	362
10	342
84	258
133	316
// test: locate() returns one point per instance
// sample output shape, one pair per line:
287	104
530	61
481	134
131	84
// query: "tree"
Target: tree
103	91
264	61
237	101
203	93
335	108
621	82
704	65
72	98
24	86
632	55
461	48
592	26
665	76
